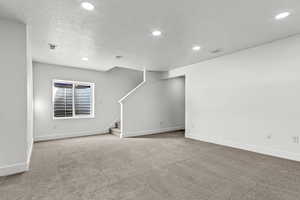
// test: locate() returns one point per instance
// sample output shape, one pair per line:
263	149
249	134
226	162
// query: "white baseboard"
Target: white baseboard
13	169
29	153
56	136
150	132
253	148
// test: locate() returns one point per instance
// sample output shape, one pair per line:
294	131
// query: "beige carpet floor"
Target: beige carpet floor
157	167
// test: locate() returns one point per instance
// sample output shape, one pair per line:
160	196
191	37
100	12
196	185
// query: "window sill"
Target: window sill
79	117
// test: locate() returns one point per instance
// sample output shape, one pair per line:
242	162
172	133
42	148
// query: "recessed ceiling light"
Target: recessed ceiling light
282	15
196	48
85	58
87	6
156	33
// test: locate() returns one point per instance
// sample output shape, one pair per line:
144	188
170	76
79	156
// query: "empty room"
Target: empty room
143	100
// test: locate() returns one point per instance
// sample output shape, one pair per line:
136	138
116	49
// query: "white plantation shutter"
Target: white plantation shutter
73	99
63	100
83	99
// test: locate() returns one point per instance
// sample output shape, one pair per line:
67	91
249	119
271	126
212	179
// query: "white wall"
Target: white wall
109	88
157	106
249	99
14	137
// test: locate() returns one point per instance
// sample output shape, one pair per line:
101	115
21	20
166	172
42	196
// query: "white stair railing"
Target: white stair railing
121	101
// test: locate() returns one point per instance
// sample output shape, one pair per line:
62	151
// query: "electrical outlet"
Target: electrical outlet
193	125
161	123
295	139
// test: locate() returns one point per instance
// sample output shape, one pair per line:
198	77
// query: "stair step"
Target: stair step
115	131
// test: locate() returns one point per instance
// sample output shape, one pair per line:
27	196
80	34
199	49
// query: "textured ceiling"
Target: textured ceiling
118	27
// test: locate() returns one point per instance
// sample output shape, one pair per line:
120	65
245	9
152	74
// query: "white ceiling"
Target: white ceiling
119	27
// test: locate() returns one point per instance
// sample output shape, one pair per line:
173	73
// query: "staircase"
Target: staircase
116	130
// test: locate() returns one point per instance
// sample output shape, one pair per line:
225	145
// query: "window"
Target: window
72	99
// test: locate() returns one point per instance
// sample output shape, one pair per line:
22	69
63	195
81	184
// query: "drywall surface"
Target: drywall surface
13	86
248	100
109	88
157	106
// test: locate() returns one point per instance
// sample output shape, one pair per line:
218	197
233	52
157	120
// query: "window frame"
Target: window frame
92	85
